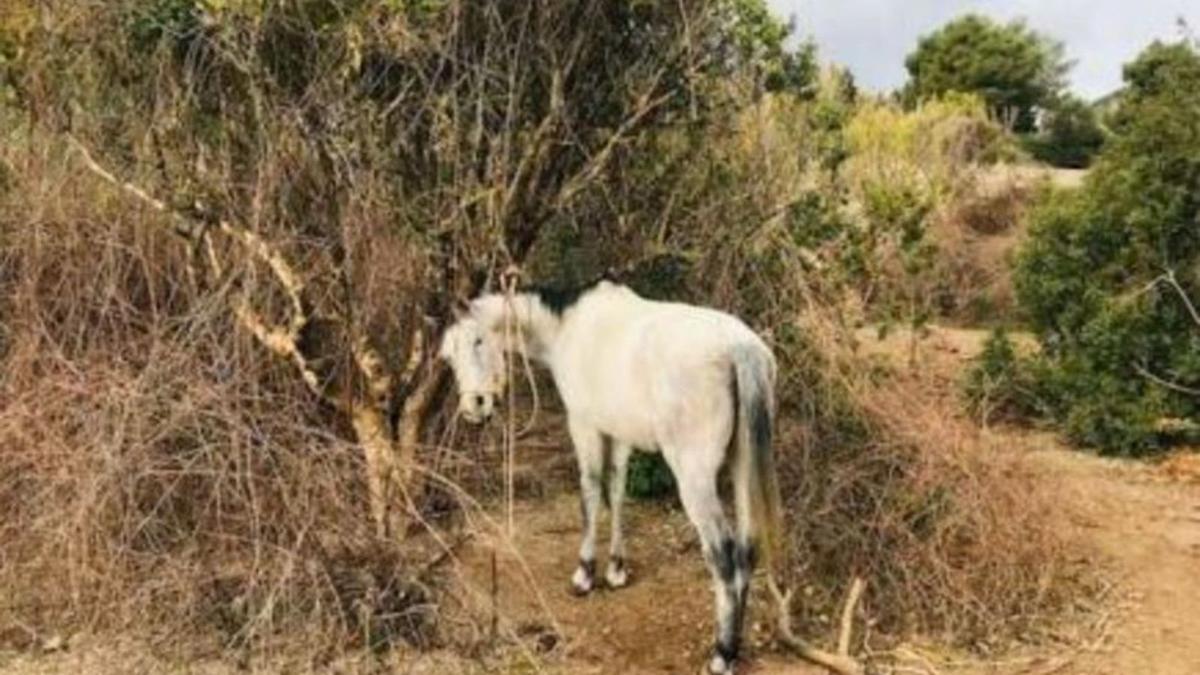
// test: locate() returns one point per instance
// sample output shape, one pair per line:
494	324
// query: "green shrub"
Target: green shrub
649	476
1000	385
1119	343
1071	136
992	374
932	143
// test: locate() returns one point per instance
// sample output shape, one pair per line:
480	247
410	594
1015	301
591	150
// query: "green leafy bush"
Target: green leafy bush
1000	386
1071	135
649	476
931	144
1108	271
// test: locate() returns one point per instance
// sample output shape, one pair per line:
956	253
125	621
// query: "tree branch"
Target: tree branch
283	341
597	162
840	663
1169	278
1173	386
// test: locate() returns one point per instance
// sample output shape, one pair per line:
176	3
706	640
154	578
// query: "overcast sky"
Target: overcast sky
872	37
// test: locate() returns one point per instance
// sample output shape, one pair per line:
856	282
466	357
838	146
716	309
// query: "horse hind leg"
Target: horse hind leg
698	492
589	451
617	573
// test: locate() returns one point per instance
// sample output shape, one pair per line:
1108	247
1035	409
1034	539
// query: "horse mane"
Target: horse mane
559	298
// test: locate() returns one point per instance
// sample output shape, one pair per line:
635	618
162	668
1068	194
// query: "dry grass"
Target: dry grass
976	231
884	480
158	477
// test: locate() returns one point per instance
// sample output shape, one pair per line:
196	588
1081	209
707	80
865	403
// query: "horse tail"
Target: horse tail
756	487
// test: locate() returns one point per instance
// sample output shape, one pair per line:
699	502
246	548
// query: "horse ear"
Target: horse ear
461	308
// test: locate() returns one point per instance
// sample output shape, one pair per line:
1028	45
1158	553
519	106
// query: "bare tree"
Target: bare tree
342	176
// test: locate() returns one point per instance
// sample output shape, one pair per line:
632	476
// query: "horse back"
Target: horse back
637	368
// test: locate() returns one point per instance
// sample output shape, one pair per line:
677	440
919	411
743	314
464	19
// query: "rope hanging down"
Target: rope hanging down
514	336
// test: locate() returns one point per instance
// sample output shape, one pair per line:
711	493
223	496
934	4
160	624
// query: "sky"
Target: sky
872	37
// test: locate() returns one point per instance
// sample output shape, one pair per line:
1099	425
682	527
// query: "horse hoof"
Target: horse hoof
617	575
719	666
583	581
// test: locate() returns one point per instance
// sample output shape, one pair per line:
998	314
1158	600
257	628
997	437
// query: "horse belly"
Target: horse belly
607	395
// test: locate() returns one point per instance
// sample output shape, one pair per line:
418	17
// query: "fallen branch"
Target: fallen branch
857	586
841	663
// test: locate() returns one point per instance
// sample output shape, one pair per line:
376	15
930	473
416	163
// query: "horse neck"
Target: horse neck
524	312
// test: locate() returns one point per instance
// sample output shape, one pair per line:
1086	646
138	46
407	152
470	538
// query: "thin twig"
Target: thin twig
1173	386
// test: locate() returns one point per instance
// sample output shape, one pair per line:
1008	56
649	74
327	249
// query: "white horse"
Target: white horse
691	382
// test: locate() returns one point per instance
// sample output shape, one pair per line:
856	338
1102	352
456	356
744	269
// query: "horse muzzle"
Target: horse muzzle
476	407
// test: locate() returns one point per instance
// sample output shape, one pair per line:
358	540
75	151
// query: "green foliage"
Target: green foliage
1161	70
760	39
1090	279
831	111
1013	68
649	476
905	171
897	221
173	21
999	384
1070	137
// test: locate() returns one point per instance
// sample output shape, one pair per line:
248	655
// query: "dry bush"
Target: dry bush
346	171
157	475
956	538
966	209
977	230
991	203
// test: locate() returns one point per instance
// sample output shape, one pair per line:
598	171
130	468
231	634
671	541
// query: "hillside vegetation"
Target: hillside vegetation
1108	279
231	232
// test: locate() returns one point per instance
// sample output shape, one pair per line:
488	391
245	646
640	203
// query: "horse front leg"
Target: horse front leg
589	451
617	573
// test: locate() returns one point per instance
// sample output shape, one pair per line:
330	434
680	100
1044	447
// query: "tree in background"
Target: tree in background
1070	134
1014	69
1162	70
761	39
1110	274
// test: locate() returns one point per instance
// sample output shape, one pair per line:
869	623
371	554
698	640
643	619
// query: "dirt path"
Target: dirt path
1142	518
1146	524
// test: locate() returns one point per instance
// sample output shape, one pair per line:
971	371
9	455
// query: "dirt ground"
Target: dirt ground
1142	518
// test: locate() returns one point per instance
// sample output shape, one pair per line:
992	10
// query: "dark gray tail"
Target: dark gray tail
756	488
